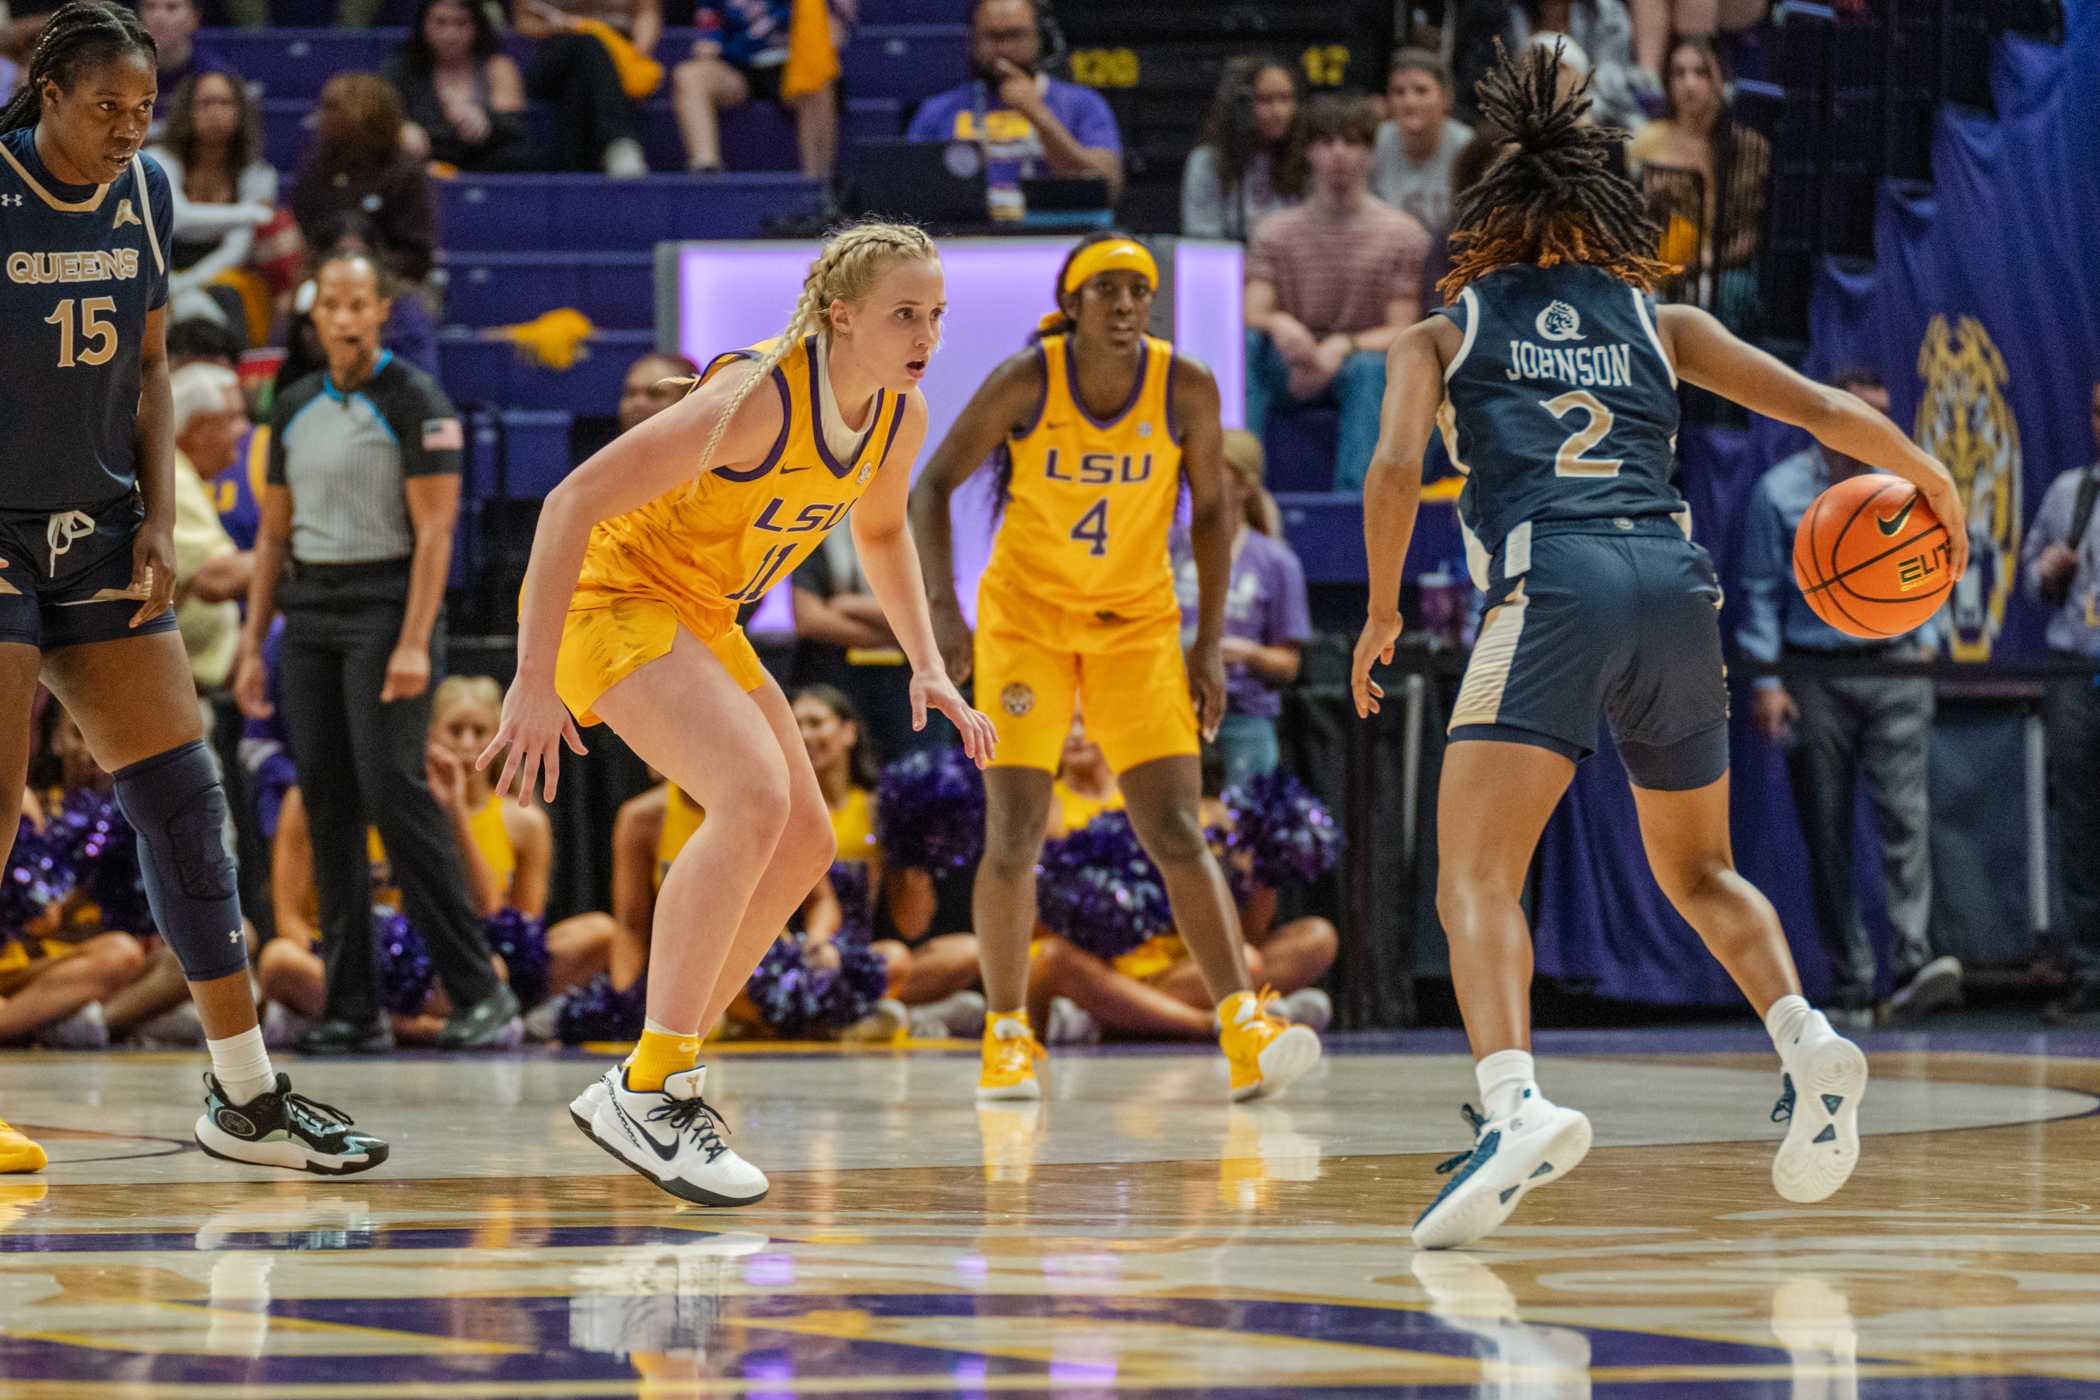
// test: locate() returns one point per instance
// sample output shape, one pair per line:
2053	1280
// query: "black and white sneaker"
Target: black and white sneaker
283	1129
672	1136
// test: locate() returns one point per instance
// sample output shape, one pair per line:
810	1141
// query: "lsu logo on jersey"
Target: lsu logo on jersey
1099	468
818	515
1559	322
1964	420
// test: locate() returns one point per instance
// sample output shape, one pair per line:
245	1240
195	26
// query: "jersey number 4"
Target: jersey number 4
1093	528
1569	461
97	336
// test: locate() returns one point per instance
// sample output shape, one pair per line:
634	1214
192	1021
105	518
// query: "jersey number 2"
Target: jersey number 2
1093	528
95	330
1569	461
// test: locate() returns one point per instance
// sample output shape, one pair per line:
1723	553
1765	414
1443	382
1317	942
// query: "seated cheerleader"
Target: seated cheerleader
506	851
71	975
1155	989
926	972
648	833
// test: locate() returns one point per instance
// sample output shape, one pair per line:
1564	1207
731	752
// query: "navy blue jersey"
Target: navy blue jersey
1560	405
84	265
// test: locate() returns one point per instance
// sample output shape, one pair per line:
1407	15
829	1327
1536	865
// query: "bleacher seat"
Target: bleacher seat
475	370
512	213
516	454
914	11
616	290
1299	445
907	62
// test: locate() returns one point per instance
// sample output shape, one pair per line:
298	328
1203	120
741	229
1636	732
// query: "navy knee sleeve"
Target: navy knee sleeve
176	804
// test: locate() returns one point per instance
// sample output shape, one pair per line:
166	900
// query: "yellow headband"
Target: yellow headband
1109	255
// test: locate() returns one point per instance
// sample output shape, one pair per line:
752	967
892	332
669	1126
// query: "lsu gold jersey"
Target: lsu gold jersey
1092	501
710	546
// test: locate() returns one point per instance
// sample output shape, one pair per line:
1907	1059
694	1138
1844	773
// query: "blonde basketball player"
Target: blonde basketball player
642	558
1098	426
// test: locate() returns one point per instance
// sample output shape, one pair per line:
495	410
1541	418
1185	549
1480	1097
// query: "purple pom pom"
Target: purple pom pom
849	881
101	848
1098	888
1289	834
930	811
521	941
36	878
796	999
405	973
595	1011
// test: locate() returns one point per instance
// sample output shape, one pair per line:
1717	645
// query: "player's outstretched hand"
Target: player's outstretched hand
1207	684
937	692
153	571
535	725
1375	645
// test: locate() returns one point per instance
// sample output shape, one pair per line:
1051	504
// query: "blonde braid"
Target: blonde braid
852	262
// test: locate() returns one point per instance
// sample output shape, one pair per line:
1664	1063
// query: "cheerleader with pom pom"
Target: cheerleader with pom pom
1110	958
506	853
80	962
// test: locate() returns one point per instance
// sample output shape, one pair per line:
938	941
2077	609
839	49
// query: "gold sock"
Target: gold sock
660	1055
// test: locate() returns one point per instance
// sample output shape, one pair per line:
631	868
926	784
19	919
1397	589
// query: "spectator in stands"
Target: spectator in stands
1419	143
1267	621
1836	726
1705	175
464	96
1655	22
654	382
1029	123
2062	572
203	340
1330	284
362	501
1241	171
357	166
742	52
212	573
176	53
1604	32
573	67
223	191
843	640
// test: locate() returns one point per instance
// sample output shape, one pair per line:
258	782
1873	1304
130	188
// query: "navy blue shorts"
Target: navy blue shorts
65	576
1612	620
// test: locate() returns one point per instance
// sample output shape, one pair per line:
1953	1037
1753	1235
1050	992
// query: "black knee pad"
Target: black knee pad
176	803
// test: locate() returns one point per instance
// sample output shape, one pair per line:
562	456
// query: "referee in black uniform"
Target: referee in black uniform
362	496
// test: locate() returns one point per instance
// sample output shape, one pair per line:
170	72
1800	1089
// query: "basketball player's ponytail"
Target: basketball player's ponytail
83	34
852	262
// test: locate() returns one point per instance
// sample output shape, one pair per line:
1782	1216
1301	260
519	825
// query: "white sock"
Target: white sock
242	1065
1792	1021
1504	1076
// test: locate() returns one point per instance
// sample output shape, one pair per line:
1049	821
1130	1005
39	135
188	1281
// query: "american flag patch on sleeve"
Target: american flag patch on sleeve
443	435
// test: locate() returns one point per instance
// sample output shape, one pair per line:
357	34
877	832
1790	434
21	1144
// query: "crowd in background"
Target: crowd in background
1345	204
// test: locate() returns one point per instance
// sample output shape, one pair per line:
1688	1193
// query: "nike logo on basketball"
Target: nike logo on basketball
636	1130
1895	522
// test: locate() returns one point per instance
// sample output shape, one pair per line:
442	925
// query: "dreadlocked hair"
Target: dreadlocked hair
1555	198
1003	457
84	34
853	261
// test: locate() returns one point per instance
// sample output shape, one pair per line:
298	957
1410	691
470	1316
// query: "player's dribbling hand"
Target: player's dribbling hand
1206	663
1944	497
952	635
534	726
1375	645
153	570
937	692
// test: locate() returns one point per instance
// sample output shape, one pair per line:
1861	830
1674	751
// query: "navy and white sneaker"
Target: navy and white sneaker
673	1136
282	1129
1535	1146
1819	1102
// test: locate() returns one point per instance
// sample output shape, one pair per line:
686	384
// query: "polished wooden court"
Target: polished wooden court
1134	1233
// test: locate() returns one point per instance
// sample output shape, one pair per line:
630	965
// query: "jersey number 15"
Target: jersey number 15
97	337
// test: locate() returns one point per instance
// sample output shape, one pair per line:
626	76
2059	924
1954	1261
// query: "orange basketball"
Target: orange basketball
1871	557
